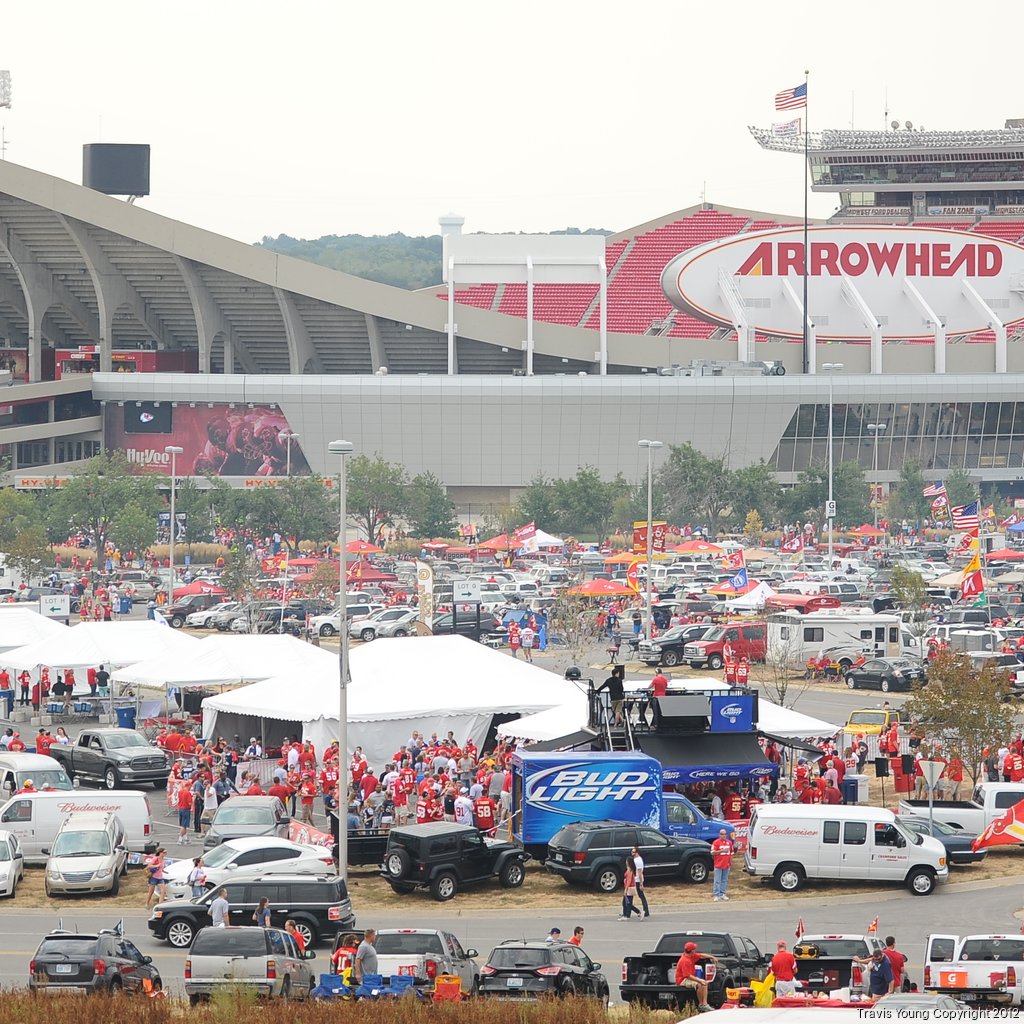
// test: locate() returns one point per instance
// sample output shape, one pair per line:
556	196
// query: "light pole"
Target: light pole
174	451
650	446
830	369
875	429
289	437
342	448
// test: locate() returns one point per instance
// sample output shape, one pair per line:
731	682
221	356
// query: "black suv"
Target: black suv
528	970
444	857
594	853
104	961
318	904
667	649
465	625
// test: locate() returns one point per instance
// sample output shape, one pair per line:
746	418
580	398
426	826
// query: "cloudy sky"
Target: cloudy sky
318	117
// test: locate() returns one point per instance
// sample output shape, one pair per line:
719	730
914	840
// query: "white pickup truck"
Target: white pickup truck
424	954
976	968
990	801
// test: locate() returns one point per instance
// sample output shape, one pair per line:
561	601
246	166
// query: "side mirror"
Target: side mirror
901	842
595	967
309	955
470	953
45	850
147	959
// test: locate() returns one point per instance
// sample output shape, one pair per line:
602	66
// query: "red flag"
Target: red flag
525	533
873	927
799	928
794	545
939	503
1006	830
735	561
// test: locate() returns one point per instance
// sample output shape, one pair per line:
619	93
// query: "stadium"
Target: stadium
126	329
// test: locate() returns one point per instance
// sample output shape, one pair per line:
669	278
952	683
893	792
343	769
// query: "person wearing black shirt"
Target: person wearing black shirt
615	685
102	679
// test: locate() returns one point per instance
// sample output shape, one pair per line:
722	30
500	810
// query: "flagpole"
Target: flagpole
807	260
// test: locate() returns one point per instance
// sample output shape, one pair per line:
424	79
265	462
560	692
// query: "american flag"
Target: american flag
965	517
791	99
935	489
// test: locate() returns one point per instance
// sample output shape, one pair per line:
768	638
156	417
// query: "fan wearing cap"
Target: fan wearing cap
686	974
555	935
464	808
784	969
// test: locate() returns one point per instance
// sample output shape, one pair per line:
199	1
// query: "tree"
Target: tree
376	493
697	487
305	510
538	504
429	510
960	487
195	503
907	500
911	593
133	528
785	679
852	495
753	527
965	710
585	502
18	511
29	553
754	488
239	577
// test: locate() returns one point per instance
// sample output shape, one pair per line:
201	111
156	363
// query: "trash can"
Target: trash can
125	718
850	790
863	792
125	606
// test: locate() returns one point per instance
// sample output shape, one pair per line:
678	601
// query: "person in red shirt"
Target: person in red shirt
721	853
485	812
897	960
188	744
577	936
784	969
329	783
732	807
686	973
183	802
425	808
367	784
35	696
172	742
282	791
954	776
43	741
292	930
254	789
90	678
23	681
659	685
831	796
307	757
307	794
358	765
1014	767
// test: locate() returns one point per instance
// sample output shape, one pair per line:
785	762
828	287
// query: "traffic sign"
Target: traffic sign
931	770
56	606
830	510
466	591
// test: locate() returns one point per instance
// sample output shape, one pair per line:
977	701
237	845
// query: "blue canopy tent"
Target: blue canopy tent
709	757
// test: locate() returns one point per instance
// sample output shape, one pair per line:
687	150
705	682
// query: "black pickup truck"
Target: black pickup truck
649	979
365	847
115	758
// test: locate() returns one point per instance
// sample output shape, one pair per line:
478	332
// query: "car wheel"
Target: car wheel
921	881
327	630
885	685
110	779
845	665
177	622
194	1000
286	988
397	863
566	988
46	889
715	662
512	874
851	682
308	933
607	880
696	871
401	632
696	664
670	659
367	635
115	888
160	784
115	987
789	877
444	887
180	934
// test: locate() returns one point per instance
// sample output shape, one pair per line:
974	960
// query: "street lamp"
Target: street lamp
289	436
830	368
174	451
875	429
650	446
342	448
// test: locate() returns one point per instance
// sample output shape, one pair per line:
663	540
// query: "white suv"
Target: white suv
89	854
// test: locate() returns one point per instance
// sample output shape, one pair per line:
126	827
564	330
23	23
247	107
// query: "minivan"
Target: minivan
42	770
791	843
36	818
247	816
88	855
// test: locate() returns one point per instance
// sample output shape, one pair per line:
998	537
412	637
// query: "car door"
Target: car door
661	858
460	961
870	674
477	861
583	969
890	857
131	965
18	818
17	857
856	851
242	902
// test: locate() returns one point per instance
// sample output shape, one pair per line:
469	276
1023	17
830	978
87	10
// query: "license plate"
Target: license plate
63	968
967	997
514	982
559	856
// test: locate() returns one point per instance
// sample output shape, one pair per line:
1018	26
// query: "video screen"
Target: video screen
147	417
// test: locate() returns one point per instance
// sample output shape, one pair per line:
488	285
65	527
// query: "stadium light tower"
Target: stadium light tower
174	451
5	89
875	429
830	507
650	446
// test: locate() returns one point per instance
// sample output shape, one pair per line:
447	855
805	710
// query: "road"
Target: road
963	907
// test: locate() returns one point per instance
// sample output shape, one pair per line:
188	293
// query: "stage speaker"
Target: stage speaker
907	760
689	712
881	767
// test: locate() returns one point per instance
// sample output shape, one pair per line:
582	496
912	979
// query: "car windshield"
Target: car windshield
230	814
412	944
515	956
5	852
715	634
844	948
51	779
867	718
993	949
230	942
81	844
673	942
117	741
67	946
219	856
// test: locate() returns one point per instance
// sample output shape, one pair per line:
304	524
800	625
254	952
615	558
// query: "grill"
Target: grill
77	876
142	763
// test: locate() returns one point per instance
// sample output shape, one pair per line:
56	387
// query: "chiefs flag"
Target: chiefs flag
632	581
794	545
659	530
973	583
735	561
525	533
1006	830
939	503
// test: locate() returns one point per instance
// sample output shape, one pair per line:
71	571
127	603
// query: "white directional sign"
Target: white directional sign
466	591
56	606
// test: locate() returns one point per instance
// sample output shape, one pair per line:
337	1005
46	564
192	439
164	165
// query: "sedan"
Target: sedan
237	858
956	841
205	617
12	863
370	627
886	674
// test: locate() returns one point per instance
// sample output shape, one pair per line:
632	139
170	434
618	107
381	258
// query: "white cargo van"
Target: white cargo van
791	843
44	772
35	818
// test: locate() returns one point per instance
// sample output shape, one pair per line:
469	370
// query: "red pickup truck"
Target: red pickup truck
747	639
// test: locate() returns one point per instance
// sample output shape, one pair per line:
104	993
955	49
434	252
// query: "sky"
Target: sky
318	118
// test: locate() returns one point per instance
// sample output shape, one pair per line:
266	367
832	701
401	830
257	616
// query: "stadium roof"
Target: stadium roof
79	267
850	140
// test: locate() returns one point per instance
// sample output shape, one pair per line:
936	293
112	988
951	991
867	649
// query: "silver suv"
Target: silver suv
89	854
263	959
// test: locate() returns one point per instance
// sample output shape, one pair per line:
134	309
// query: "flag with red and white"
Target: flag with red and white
792	99
873	927
1011	520
965	517
1006	830
935	489
800	928
939	502
735	560
972	583
794	545
525	533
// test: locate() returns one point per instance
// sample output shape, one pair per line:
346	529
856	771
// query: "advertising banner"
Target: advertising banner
299	832
218	441
660	528
425	593
718	772
732	713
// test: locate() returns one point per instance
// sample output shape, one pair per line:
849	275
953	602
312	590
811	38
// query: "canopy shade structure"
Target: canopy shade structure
601	588
20	624
553	724
362	547
698	547
500	543
431	683
1005	555
112	644
752	599
791	724
866	530
708	757
622	558
726	589
198	587
229	660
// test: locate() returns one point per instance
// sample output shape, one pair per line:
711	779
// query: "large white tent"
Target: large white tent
432	683
229	660
754	599
21	624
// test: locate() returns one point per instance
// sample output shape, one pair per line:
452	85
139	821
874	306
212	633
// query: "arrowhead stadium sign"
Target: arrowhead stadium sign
888	271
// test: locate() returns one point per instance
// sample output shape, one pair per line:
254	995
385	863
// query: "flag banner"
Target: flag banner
965	517
873	927
792	99
658	534
939	503
1006	830
794	545
974	565
739	581
299	832
525	533
968	542
988	514
787	129
1011	520
800	928
934	489
632	579
737	560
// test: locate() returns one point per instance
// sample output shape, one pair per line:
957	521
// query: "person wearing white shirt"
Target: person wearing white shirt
293	759
638	872
463	808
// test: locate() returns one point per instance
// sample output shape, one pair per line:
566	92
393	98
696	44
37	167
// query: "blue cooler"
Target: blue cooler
125	718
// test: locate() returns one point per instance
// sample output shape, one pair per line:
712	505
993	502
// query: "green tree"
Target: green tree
698	488
133	528
195	503
754	488
430	511
960	487
29	553
907	500
911	593
965	710
539	504
18	511
305	510
585	503
851	492
376	493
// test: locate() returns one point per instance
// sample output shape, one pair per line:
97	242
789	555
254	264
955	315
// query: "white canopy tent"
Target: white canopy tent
751	601
229	660
543	540
552	724
21	624
432	683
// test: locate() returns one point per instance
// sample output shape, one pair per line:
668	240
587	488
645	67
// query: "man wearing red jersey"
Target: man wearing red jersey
485	813
732	807
307	794
400	797
329	783
426	807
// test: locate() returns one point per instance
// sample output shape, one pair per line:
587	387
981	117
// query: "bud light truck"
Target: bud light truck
550	790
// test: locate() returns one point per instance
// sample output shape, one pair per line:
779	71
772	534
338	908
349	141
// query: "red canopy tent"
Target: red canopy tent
698	547
500	543
1005	555
866	530
198	587
362	547
601	588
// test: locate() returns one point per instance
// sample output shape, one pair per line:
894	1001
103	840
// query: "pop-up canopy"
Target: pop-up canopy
20	624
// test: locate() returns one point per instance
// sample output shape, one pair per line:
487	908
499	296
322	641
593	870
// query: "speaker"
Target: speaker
683	713
881	767
907	760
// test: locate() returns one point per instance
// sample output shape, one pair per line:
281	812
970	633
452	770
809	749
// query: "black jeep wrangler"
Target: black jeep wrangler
443	857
